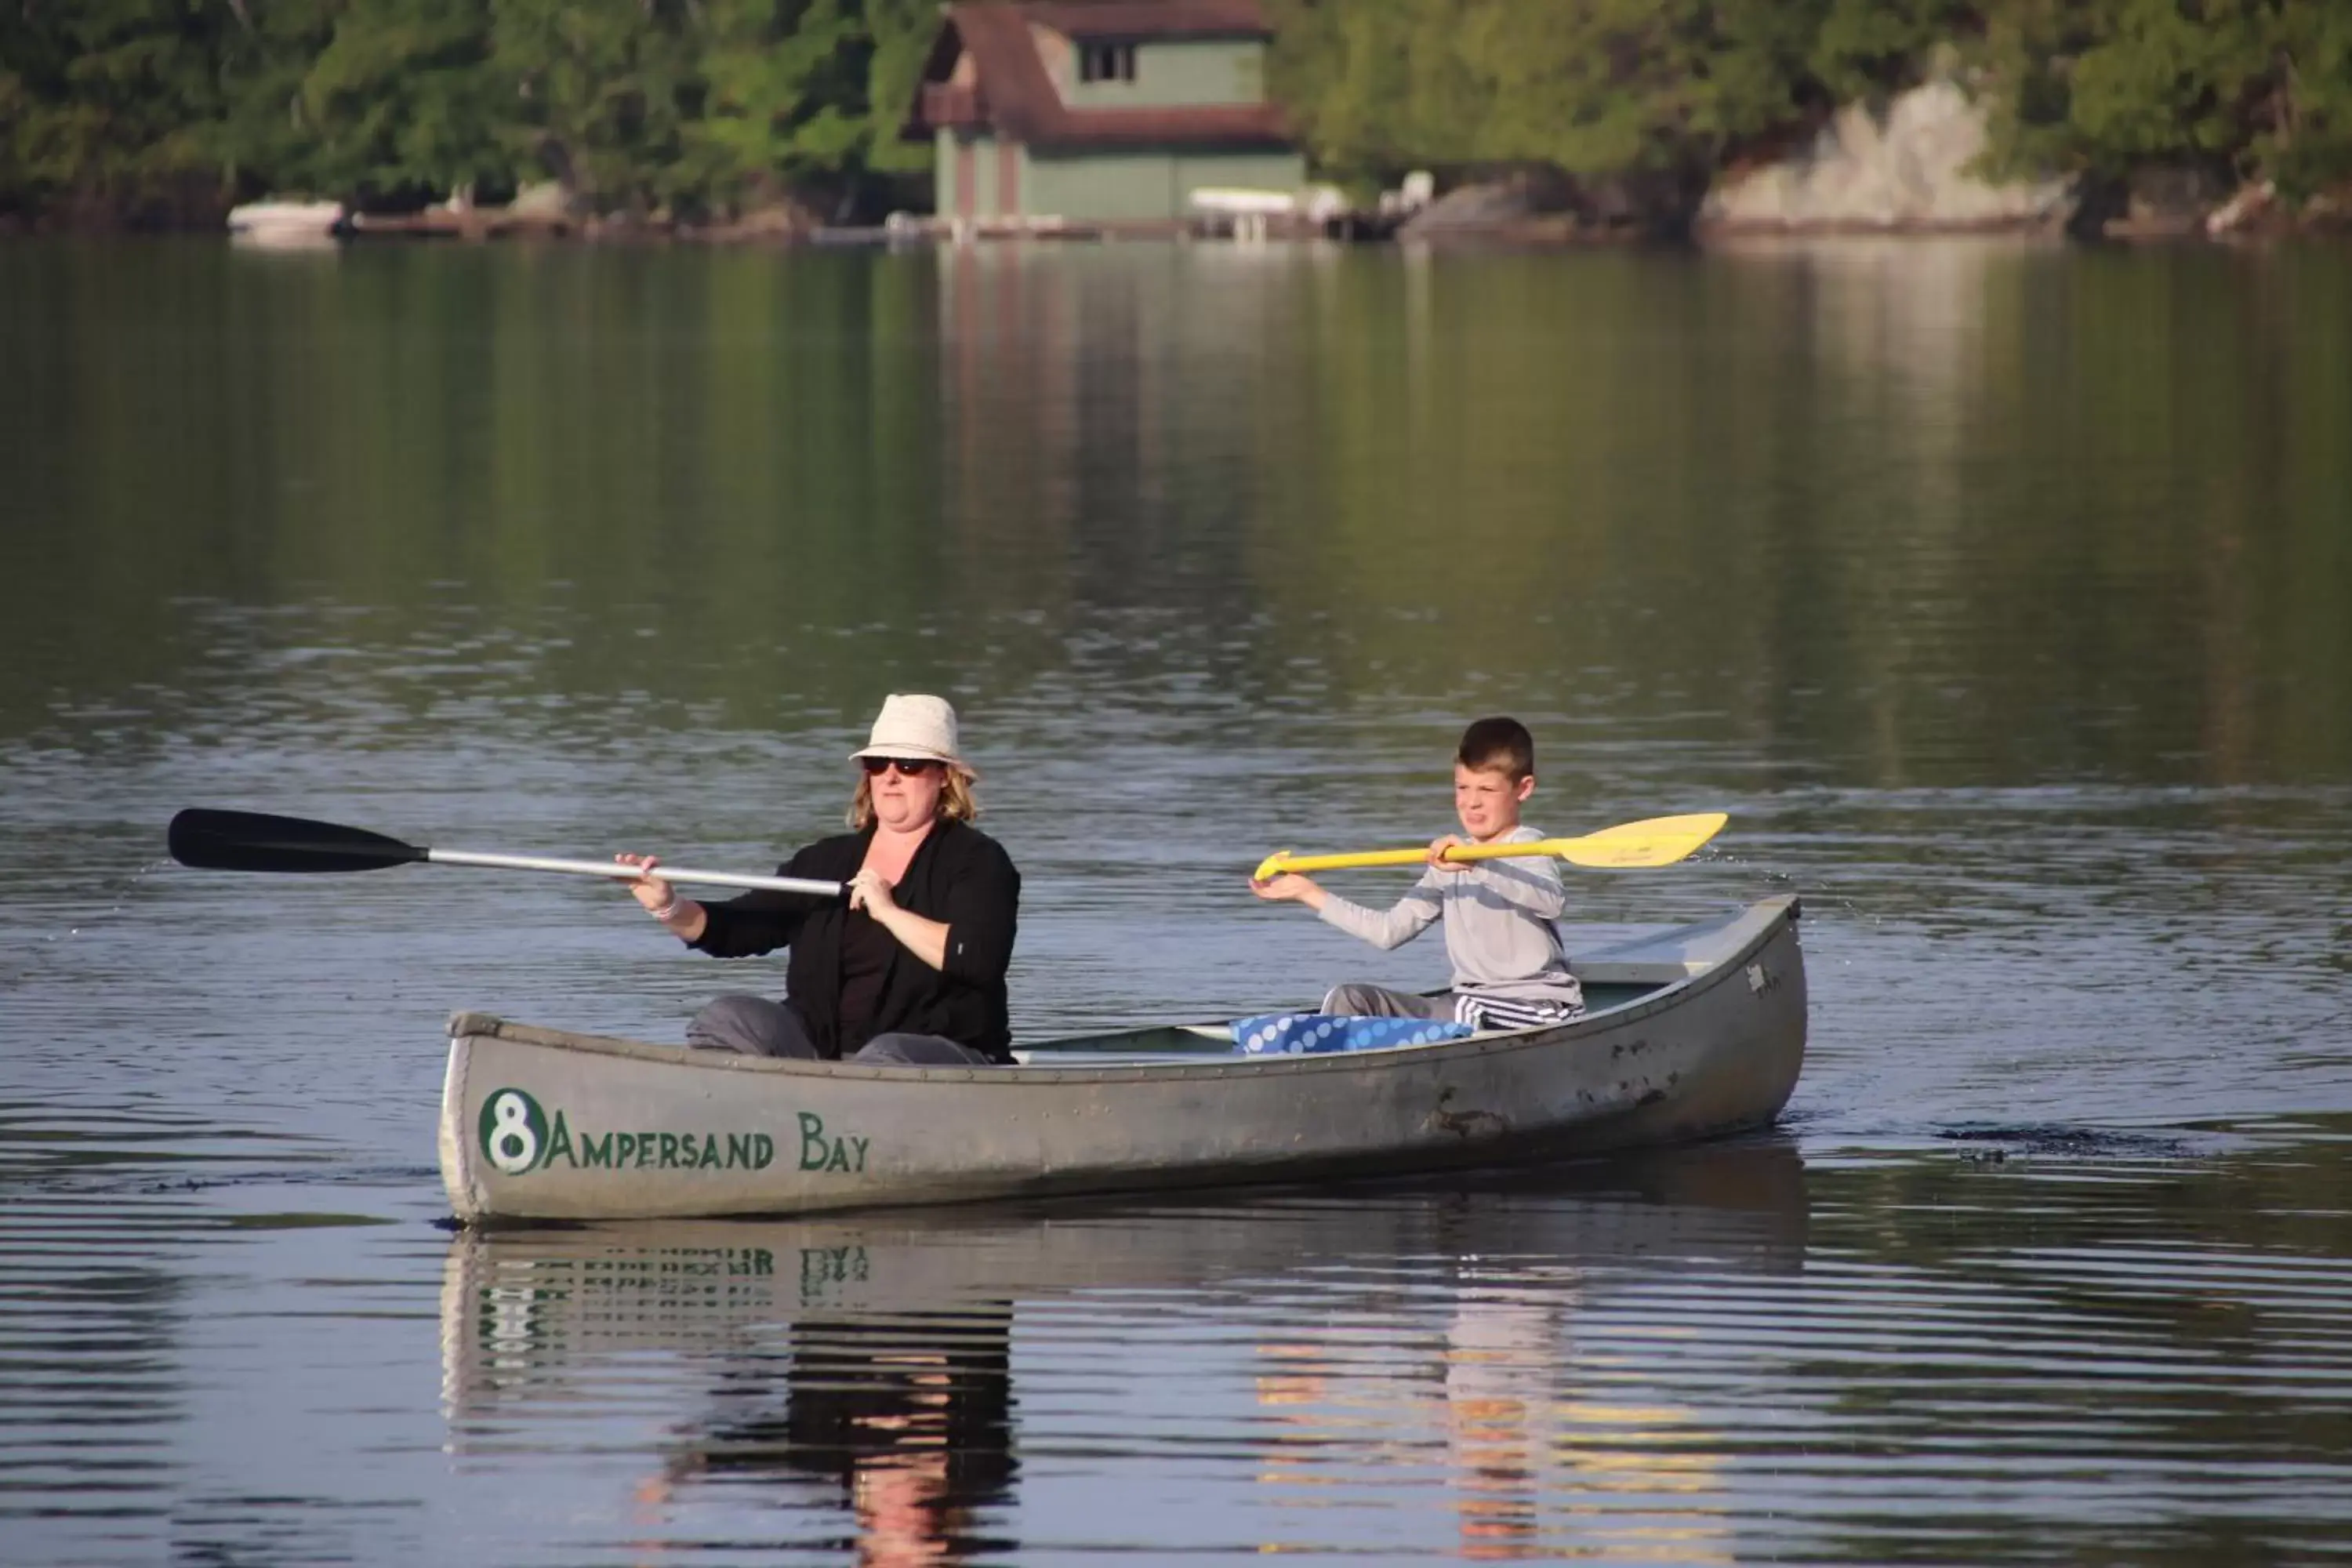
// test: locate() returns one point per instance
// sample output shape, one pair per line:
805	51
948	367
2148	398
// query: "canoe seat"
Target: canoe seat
1649	974
1666	957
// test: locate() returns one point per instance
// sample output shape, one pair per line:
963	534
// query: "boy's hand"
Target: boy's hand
1289	887
1437	848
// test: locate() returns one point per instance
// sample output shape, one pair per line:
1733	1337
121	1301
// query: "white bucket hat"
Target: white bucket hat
912	726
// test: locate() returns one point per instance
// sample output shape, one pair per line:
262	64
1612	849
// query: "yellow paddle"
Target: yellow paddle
1655	841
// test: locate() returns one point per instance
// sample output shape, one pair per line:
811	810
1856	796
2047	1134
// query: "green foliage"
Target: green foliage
2260	88
1342	70
698	105
2023	62
268	134
1594	87
810	93
1862	48
2306	140
598	94
2167	82
400	97
1603	87
112	101
153	108
1675	86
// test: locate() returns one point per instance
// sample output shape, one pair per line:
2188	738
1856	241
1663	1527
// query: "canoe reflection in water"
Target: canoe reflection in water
866	1361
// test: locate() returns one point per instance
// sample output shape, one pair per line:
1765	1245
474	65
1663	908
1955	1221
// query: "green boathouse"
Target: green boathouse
1099	112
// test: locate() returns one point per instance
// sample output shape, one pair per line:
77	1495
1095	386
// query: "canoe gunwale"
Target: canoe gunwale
463	1025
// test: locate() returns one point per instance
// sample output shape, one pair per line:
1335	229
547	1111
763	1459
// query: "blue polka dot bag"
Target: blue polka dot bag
1297	1034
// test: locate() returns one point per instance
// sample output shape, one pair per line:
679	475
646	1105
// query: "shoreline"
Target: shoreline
1531	232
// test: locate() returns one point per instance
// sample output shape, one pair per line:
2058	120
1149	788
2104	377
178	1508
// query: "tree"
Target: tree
597	93
2168	82
2305	135
403	95
1657	87
266	136
2260	89
1340	68
785	91
1863	50
809	94
109	104
1592	86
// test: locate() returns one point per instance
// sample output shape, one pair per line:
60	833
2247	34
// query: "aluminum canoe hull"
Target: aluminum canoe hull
540	1124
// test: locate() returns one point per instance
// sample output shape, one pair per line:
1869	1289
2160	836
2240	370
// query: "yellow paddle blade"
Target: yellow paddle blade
1657	841
1654	841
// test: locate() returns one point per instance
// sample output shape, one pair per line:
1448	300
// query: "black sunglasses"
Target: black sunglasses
909	767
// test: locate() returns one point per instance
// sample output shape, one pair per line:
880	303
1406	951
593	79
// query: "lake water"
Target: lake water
2001	593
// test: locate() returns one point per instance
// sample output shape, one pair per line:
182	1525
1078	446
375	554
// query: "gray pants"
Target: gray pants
756	1027
1357	1001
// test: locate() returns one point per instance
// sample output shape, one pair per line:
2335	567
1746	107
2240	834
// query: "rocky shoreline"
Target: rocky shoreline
1907	168
1503	217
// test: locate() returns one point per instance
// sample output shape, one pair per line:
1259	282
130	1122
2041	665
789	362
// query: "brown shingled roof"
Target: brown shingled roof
1151	18
1022	103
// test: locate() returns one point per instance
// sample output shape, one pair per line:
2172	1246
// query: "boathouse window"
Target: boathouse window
1107	62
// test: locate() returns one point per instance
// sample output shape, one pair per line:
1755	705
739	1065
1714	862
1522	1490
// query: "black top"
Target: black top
958	875
868	949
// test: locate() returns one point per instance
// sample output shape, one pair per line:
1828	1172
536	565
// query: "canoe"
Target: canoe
1692	1033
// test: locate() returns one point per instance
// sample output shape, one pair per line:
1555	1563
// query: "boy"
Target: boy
1509	970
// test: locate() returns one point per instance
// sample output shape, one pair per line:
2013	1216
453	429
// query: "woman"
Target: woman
911	968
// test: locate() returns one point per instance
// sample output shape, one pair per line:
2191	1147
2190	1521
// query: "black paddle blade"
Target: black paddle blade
254	841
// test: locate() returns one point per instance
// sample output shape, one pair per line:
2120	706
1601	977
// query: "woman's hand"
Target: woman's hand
875	893
648	889
657	896
871	890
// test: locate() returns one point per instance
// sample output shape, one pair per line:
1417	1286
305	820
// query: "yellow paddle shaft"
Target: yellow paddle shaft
1654	841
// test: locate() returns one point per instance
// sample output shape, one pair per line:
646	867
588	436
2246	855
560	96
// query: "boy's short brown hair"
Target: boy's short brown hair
1499	743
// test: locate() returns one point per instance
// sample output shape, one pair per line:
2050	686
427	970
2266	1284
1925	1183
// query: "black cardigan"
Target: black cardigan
958	875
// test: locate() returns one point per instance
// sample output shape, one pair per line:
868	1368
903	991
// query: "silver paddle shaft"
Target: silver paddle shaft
615	871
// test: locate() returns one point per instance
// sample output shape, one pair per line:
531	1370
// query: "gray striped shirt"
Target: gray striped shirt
1499	918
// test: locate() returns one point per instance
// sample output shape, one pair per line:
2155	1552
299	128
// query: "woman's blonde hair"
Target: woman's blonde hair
956	801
